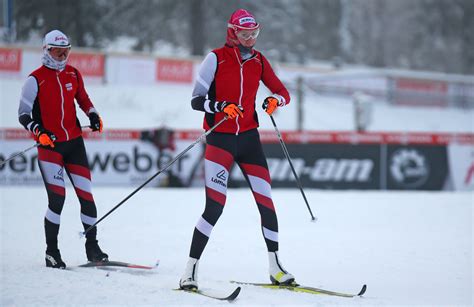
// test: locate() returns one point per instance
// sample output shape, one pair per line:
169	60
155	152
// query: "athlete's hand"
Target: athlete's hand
232	110
45	137
95	121
270	104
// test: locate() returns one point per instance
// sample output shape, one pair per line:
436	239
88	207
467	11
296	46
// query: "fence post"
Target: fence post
299	102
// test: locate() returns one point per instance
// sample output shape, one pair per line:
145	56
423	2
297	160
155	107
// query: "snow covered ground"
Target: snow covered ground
410	248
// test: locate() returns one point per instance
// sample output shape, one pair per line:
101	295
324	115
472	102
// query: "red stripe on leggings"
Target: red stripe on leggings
84	195
49	156
257	171
57	189
219	156
79	170
264	201
216	196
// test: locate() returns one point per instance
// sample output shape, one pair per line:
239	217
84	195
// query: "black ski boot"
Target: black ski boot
94	253
53	259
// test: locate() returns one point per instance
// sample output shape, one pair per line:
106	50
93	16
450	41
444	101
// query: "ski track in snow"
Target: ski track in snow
410	248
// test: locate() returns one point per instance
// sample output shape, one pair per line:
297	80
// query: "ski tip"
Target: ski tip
362	291
234	294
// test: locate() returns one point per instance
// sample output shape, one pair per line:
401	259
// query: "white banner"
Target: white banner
461	166
113	162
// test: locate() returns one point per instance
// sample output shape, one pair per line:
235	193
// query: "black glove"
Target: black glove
95	122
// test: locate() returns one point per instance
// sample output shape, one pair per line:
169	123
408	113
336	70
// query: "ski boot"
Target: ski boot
53	259
189	279
94	253
278	275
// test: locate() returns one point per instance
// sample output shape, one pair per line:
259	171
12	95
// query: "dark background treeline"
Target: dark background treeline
436	35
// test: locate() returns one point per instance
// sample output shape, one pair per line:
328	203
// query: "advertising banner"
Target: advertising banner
10	59
89	64
324	166
117	157
180	71
420	92
461	165
416	167
323	160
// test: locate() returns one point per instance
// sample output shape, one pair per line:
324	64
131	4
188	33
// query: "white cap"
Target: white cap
56	39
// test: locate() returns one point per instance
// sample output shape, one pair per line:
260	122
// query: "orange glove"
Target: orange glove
270	104
44	137
232	110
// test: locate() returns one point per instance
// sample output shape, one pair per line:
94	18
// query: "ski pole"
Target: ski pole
19	154
24	151
179	156
285	151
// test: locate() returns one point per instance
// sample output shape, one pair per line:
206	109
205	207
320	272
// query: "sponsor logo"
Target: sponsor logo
103	162
246	20
469	175
60	175
323	170
221	175
342	170
60	38
409	168
69	86
220	179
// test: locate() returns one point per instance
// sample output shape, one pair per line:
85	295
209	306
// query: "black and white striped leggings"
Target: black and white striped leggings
222	150
69	156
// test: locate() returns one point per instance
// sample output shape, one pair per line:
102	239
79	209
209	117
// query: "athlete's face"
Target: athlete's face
247	42
59	54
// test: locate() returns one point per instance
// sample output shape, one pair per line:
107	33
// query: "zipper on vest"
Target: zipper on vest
241	95
241	86
62	106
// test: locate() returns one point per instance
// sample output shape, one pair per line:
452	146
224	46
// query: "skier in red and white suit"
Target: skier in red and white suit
47	109
227	85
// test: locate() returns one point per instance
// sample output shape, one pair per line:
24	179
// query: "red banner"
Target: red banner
88	64
420	92
291	137
180	71
10	59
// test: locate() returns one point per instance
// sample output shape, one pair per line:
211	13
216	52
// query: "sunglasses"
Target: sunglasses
248	34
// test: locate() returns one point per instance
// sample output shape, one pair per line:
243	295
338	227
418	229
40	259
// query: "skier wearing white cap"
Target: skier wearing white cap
47	109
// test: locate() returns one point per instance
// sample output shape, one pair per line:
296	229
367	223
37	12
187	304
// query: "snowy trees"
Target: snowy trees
421	34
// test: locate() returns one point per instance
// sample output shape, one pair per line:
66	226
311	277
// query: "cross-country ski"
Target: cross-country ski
117	264
303	289
211	294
